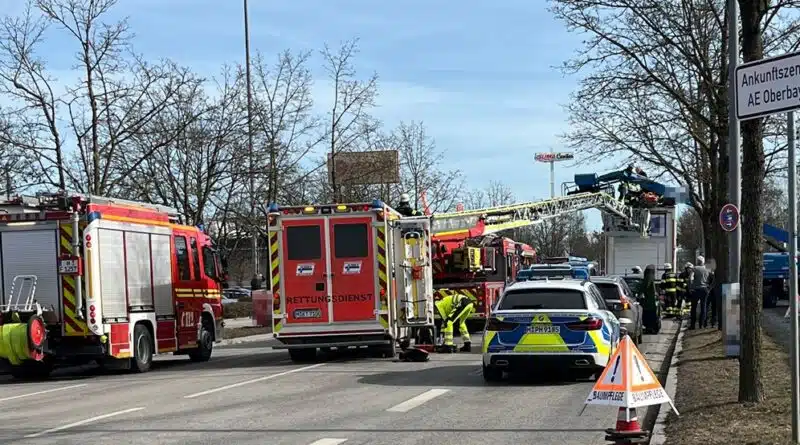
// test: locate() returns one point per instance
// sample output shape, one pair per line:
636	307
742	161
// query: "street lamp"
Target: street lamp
250	155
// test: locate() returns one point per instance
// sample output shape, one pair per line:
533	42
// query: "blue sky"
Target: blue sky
480	75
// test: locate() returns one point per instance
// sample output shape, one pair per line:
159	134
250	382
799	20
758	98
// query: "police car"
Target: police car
552	324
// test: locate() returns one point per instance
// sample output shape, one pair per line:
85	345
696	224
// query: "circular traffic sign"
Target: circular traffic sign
729	217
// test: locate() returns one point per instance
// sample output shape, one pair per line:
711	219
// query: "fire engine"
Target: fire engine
477	267
348	275
470	258
92	279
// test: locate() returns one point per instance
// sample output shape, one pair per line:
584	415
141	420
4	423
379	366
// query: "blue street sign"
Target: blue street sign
729	217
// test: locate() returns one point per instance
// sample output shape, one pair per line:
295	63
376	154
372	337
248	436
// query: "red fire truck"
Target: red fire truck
348	275
477	267
105	280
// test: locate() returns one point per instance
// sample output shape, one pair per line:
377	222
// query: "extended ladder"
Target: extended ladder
473	223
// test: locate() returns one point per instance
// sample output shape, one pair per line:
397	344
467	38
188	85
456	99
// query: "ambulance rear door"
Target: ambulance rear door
353	268
306	276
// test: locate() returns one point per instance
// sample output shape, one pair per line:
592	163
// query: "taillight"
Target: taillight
590	324
493	324
624	302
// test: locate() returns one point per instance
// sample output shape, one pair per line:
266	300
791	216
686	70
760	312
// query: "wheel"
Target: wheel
205	345
389	351
32	370
492	374
303	355
142	358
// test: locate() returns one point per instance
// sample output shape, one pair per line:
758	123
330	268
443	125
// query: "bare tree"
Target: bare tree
421	169
30	124
658	91
557	236
496	193
118	95
690	230
348	117
754	14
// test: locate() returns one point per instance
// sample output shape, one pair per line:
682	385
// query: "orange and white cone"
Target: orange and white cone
627	422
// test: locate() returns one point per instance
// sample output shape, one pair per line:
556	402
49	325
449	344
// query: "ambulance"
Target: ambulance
348	275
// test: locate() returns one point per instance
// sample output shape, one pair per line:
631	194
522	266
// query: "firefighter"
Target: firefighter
684	279
404	208
669	285
454	309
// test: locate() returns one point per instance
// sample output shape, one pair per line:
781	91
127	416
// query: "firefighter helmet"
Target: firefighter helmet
667	266
637	269
688	266
404	198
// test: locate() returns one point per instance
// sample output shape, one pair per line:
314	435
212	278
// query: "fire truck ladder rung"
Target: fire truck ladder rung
525	214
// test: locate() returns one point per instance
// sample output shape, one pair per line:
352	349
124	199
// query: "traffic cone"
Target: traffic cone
627	431
627	423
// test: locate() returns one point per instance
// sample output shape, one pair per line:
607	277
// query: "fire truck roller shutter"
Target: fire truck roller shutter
162	274
137	261
112	273
32	250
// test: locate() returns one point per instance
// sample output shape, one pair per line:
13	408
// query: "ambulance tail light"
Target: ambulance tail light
276	302
590	324
496	325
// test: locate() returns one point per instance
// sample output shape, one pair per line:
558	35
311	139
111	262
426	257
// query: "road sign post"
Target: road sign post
763	88
552	158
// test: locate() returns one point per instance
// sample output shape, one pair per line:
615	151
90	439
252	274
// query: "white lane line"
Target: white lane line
46	391
414	402
328	441
247	382
83	422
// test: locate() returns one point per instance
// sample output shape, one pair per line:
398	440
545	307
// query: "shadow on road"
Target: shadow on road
458	375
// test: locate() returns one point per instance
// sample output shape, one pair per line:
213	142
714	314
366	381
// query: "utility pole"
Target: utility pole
250	154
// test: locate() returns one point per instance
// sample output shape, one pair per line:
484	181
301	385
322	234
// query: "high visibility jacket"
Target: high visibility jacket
669	282
451	304
683	281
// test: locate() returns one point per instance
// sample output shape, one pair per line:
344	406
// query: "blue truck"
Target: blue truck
776	266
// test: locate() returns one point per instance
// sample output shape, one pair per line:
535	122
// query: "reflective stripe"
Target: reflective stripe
73	326
382	274
275	281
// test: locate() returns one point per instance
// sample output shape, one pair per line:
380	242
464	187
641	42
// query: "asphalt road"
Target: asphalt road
250	394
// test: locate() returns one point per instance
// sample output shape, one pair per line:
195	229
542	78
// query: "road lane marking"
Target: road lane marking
414	402
83	422
328	441
46	391
247	382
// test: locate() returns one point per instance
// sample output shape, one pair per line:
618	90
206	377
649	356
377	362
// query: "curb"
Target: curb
248	339
655	418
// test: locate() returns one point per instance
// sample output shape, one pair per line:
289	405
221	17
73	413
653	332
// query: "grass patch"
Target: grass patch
245	331
240	309
708	388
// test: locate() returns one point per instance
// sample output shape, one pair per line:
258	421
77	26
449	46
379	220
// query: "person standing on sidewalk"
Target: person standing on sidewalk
698	291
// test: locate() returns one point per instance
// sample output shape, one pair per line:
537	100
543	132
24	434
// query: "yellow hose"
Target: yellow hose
14	342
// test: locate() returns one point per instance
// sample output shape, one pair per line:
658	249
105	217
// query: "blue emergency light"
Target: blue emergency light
377	204
273	208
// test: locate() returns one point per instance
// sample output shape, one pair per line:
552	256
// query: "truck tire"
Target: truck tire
31	370
303	355
205	345
492	374
142	359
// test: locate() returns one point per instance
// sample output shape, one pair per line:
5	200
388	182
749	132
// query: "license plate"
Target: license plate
68	266
307	313
544	329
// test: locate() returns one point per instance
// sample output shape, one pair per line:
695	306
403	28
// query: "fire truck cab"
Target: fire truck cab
91	279
348	275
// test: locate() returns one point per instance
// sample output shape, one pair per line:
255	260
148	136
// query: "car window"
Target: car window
543	299
608	291
601	304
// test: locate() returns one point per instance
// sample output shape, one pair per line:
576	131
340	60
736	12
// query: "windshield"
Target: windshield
543	299
610	291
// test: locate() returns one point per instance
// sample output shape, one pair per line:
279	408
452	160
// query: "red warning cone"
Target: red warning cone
627	422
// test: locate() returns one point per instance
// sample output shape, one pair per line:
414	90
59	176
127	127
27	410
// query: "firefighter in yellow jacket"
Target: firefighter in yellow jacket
454	309
669	285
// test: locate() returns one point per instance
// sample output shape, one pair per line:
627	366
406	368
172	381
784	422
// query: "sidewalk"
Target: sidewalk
708	388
